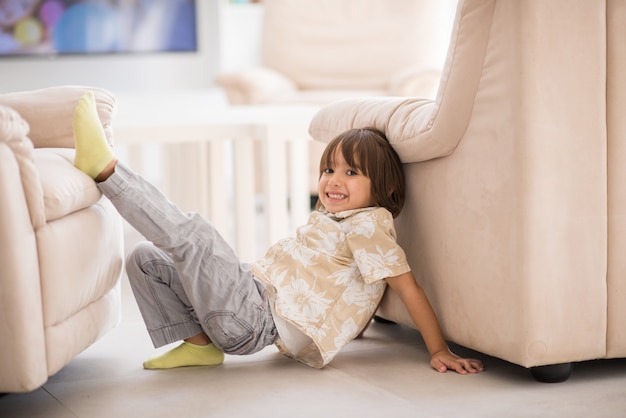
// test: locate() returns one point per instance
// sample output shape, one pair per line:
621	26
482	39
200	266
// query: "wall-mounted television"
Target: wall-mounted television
58	27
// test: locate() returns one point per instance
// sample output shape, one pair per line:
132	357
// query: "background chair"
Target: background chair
61	241
515	215
316	51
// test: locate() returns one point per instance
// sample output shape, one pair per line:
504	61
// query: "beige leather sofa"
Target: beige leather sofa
61	241
515	221
317	51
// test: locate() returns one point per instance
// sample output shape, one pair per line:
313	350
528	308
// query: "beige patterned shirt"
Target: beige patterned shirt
326	283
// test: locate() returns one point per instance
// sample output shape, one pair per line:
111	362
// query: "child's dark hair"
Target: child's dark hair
368	150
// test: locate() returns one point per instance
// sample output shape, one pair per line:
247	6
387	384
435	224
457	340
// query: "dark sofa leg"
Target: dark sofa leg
553	373
382	320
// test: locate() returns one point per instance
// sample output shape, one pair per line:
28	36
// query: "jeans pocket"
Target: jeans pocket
230	333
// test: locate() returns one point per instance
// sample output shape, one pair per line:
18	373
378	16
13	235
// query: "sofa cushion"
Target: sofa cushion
65	189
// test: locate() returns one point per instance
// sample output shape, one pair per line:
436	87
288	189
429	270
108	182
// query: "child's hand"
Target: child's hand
444	360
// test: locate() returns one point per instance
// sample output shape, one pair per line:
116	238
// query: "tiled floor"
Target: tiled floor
385	374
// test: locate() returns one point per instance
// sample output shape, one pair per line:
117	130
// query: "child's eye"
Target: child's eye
328	171
352	172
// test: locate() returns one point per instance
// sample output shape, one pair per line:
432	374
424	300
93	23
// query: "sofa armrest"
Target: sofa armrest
49	112
408	124
13	135
255	86
22	366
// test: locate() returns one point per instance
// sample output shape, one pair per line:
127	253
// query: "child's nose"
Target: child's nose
335	179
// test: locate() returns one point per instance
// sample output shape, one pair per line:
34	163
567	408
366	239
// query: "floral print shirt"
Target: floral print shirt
325	284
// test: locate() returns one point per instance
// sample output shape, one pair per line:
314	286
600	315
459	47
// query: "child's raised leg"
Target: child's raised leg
231	309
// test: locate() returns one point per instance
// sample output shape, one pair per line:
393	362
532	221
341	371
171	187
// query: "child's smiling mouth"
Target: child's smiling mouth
336	196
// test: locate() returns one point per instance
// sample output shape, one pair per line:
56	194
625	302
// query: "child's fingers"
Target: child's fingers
460	365
477	365
471	365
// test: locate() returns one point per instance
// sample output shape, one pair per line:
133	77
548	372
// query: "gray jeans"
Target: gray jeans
187	279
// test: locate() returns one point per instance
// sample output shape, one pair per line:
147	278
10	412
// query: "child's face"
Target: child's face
343	187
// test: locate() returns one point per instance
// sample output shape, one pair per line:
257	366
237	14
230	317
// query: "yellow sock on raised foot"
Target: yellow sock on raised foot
187	354
93	152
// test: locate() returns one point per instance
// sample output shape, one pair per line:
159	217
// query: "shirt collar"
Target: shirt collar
345	213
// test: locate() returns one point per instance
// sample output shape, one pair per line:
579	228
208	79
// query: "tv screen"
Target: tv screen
57	27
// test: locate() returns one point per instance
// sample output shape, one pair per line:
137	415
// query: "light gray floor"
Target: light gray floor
384	374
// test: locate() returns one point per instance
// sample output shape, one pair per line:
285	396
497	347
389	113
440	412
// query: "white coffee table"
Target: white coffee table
203	140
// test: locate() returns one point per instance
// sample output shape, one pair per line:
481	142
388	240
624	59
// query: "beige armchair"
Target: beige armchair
318	51
516	211
61	241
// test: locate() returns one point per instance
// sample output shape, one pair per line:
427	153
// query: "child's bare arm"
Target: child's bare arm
420	310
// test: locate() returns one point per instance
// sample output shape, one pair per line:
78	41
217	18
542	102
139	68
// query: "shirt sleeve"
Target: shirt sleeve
371	237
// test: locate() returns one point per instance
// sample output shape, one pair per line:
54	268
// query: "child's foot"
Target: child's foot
93	153
187	354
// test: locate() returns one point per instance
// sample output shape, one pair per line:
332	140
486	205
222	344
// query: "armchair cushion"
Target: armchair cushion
65	189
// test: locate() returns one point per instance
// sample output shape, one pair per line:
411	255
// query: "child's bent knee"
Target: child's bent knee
138	257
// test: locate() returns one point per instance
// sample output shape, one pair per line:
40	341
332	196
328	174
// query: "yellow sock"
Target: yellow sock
186	354
93	152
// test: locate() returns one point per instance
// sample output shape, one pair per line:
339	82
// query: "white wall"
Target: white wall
125	72
240	35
